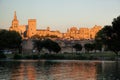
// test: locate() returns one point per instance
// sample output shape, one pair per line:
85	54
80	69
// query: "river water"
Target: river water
59	70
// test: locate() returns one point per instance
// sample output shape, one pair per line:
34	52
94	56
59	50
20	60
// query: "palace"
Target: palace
28	31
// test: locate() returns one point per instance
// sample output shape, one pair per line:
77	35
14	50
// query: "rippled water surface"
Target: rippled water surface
59	70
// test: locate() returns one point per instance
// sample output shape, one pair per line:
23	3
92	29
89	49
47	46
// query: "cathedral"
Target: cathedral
28	31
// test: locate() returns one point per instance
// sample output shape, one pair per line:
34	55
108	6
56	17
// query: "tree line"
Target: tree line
48	44
10	40
108	37
53	46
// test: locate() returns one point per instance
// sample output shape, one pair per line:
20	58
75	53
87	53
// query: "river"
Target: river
59	70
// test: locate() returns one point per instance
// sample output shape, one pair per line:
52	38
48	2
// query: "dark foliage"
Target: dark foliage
47	44
17	56
31	57
10	40
78	47
110	36
51	45
97	46
89	47
38	44
2	56
52	56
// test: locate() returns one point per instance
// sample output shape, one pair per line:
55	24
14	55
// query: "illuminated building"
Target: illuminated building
28	31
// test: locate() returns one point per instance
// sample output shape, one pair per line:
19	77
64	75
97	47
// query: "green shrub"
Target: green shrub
2	55
17	56
82	57
28	57
35	57
31	57
52	56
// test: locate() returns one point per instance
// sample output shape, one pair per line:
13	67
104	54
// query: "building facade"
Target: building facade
28	31
81	33
16	27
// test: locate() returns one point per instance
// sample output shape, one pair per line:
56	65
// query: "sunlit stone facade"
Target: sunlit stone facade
94	30
81	33
31	30
27	31
48	32
16	27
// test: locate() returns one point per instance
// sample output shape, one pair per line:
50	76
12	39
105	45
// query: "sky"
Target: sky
59	14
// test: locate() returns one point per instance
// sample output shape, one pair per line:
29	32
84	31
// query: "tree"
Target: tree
110	36
89	47
48	44
102	38
10	40
38	44
78	47
51	46
97	46
115	36
55	47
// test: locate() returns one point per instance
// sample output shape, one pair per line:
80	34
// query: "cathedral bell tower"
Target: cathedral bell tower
15	22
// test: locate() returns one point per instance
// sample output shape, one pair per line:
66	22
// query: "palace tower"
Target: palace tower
31	31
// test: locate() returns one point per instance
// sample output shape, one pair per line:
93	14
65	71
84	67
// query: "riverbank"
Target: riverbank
65	56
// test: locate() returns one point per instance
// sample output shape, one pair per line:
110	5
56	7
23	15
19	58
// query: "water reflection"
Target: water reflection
59	70
117	71
24	70
68	70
